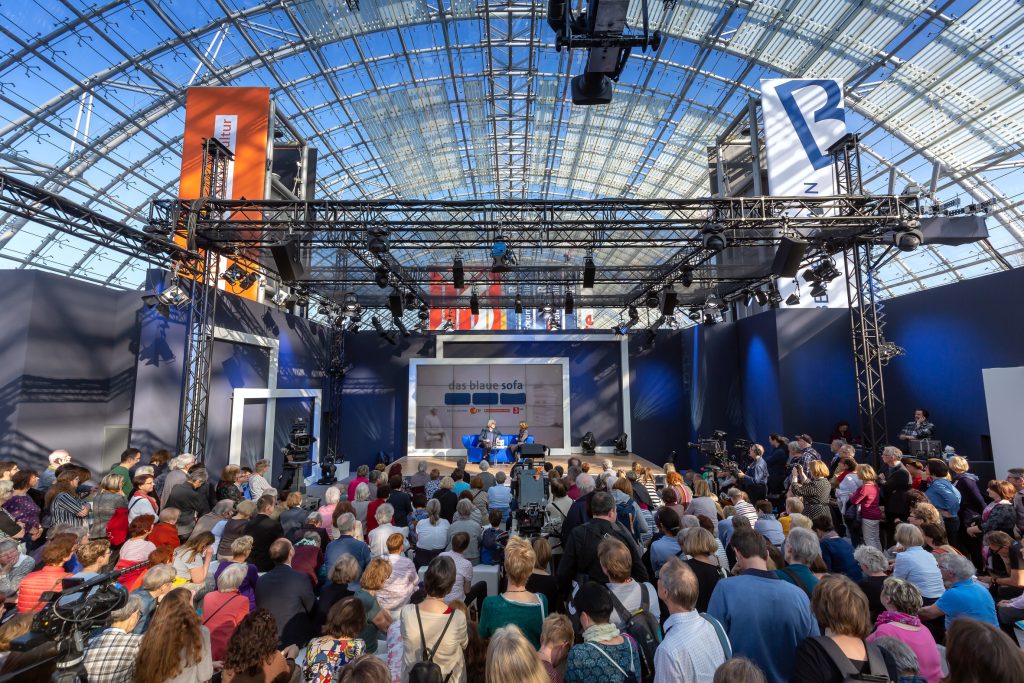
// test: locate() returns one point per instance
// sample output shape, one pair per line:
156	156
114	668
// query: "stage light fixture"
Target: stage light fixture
589	443
280	297
553	324
302	299
519	304
888	350
669	299
233	274
714	239
448	325
793	299
377	239
621	444
651	300
687	277
908	240
173	296
382	276
474	303
622	329
458	273
695	315
713	302
384	334
350	305
823	271
589	272
249	280
818	290
673	323
410	299
634	315
748	297
569	303
761	297
424	313
774	298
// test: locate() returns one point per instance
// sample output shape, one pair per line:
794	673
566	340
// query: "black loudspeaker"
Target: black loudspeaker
953	230
532	450
787	258
287	260
669	299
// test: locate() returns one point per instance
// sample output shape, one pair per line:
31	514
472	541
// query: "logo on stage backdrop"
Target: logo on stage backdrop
803	118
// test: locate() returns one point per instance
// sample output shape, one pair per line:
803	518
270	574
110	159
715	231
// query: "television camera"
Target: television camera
600	29
296	455
531	520
67	619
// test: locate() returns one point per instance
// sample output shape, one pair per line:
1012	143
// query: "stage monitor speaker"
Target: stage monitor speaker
953	230
532	450
288	260
788	257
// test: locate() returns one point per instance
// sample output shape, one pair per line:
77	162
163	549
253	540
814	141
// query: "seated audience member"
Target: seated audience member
347	543
579	511
762	614
703	502
628	596
767	525
175	647
556	638
56	554
309	558
541	580
512	659
40	661
699	546
667	544
157	583
377	619
708	525
371	510
340	578
264	530
403	581
294	515
240	549
917	565
978	653
447	497
340	643
1004	550
165	531
875	568
794	505
965	597
581	557
903	659
835	551
902	602
224	609
499	496
741	506
110	654
365	669
192	560
605	656
463	588
801	551
738	670
516	605
692	649
234	528
252	654
433	622
287	595
431	533
465	523
191	501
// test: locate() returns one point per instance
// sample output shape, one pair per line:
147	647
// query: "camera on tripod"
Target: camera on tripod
531	520
715	451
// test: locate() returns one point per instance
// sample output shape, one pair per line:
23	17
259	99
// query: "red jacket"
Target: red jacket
371	514
222	612
164	534
35	584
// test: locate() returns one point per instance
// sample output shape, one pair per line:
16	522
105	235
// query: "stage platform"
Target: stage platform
446	463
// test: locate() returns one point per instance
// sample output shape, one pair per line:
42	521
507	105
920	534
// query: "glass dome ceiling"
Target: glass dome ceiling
469	99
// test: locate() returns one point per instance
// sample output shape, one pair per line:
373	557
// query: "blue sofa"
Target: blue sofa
474	453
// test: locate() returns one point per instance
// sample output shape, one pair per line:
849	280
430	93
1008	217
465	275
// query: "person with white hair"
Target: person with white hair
332	496
177	474
485	475
258	484
578	511
875	567
156	583
801	549
49	475
14	566
211	521
420	477
464	522
224	609
110	654
378	537
965	596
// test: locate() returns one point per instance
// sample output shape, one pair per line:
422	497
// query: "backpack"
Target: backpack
877	672
643	628
117	527
625	514
426	670
492	550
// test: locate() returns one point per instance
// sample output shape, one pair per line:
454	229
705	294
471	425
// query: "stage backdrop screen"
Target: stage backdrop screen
450	398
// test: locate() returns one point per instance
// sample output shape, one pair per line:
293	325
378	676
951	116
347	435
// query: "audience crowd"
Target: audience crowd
802	566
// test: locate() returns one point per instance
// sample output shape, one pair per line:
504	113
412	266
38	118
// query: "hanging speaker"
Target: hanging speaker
287	260
953	230
788	257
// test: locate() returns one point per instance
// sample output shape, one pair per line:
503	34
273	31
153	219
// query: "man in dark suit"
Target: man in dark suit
190	500
288	595
579	511
580	559
264	530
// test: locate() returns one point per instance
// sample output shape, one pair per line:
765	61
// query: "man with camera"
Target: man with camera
754	481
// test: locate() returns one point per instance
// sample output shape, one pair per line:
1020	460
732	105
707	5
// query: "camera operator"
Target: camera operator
755	480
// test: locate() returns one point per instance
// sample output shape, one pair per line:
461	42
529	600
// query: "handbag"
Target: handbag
851	515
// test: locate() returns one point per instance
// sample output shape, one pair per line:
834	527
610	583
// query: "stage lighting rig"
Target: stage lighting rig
600	29
589	444
621	444
823	271
384	334
249	280
377	239
713	238
634	316
174	296
502	256
621	329
888	350
448	325
908	237
687	277
474	303
382	276
234	274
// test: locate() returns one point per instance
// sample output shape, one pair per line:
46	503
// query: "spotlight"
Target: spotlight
774	298
448	325
519	304
386	335
381	276
908	240
248	281
234	274
589	272
589	443
713	302
818	290
174	296
553	324
621	444
424	313
714	239
401	327
410	299
634	315
687	277
280	297
652	300
823	271
695	315
547	308
569	303
761	297
622	329
458	273
793	299
888	350
350	306
377	239
302	299
474	304
673	323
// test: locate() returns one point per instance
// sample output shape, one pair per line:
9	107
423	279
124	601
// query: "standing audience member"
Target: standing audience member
287	595
224	609
175	647
814	487
869	497
106	502
62	503
190	500
516	605
944	496
628	596
227	486
340	643
252	655
895	485
400	501
902	602
294	515
667	544
605	656
512	659
49	475
835	551
142	501
110	654
432	624
700	546
21	506
739	670
581	556
762	615
556	638
463	588
541	580
177	473
692	649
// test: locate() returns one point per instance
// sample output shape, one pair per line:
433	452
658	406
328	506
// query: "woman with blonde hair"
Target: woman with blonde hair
924	513
917	565
175	647
516	605
868	496
512	659
192	560
227	487
378	620
703	502
814	487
